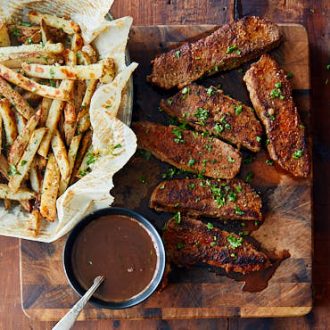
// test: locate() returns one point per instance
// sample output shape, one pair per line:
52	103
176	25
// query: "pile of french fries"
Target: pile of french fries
47	79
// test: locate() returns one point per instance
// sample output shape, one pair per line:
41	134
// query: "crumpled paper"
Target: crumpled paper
92	191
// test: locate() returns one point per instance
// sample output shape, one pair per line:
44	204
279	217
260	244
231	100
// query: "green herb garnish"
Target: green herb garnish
209	226
238	109
234	241
177	217
298	154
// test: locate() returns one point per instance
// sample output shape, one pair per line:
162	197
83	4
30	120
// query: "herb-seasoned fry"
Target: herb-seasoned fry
19	145
20	122
61	155
17	173
21	105
36	222
50	188
91	52
20	194
32	86
4	36
77	42
67	26
44	109
70	122
9	121
35	180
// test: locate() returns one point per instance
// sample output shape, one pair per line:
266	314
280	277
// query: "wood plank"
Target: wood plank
198	293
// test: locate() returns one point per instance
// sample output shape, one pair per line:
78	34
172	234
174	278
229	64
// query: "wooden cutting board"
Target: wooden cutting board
198	293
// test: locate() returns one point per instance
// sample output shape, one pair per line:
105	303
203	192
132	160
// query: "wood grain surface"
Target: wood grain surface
197	293
314	15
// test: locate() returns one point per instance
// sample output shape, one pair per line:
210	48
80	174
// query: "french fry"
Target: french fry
21	105
19	145
9	121
70	122
32	86
67	26
84	72
20	122
17	59
26	205
61	155
0	134
83	116
35	177
50	189
25	34
83	58
79	92
7	204
84	146
91	52
77	42
53	118
4	167
20	194
36	222
20	171
4	36
44	109
45	33
31	97
7	53
72	154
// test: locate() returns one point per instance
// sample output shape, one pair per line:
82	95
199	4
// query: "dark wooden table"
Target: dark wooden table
315	16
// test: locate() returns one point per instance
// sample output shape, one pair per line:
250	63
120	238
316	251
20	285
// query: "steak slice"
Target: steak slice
209	110
188	150
224	49
192	242
271	96
224	199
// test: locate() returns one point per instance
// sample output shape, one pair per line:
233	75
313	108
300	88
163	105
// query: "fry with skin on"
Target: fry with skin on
20	122
7	53
84	72
9	121
72	154
4	167
36	222
49	190
35	179
20	194
19	172
79	92
19	145
70	122
4	36
15	62
44	109
67	26
21	105
32	86
61	155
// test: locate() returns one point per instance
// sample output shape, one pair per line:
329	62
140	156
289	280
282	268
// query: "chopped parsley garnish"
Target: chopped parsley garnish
117	146
169	173
238	211
202	115
278	85
12	170
227	126
177	217
233	48
23	162
258	138
185	90
249	177
267	142
208	147
29	40
16	32
91	158
169	101
269	162
272	117
177	132
232	197
277	91
25	24
212	244
298	154
177	54
209	226
230	159
191	186
52	83
180	246
238	188
83	172
234	241
210	91
52	72
144	154
289	75
191	162
238	109
142	179
248	159
218	128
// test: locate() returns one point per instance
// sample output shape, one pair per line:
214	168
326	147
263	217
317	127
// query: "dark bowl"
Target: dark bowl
157	242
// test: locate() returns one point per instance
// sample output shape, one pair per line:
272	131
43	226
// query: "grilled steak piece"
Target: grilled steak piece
192	242
209	110
224	49
188	150
225	199
270	93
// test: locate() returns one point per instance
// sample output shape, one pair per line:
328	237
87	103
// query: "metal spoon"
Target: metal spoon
67	321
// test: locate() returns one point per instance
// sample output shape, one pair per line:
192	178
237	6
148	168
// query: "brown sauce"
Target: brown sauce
121	250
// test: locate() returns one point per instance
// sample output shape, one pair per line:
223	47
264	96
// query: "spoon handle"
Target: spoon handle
70	317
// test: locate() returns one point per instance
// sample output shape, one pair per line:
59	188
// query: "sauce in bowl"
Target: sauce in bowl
120	248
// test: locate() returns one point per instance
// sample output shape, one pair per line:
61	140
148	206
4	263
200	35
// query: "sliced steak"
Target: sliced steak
224	199
188	150
192	242
210	110
271	95
224	49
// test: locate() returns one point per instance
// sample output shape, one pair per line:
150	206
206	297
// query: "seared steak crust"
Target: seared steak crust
192	242
224	199
271	95
224	49
210	110
188	150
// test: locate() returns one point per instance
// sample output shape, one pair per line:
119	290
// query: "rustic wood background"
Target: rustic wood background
315	15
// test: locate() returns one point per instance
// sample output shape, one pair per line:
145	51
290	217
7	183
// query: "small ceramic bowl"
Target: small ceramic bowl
158	244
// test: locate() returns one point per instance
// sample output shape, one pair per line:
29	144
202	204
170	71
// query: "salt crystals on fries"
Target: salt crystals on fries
47	80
